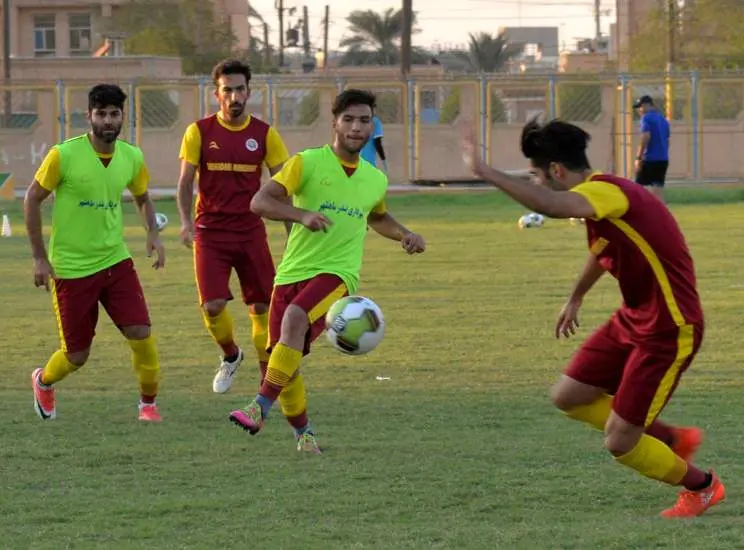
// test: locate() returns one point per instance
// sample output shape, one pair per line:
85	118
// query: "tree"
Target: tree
489	53
708	36
182	28
375	38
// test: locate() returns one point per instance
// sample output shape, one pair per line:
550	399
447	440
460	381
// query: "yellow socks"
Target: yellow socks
146	365
283	363
293	398
222	330
595	414
57	368
260	335
653	459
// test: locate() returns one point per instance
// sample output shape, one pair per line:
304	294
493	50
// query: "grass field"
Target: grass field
459	449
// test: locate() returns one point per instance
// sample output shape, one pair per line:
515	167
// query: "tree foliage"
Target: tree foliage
179	28
708	36
375	38
489	53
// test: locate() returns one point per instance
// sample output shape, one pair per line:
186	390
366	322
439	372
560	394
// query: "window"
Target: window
80	33
45	43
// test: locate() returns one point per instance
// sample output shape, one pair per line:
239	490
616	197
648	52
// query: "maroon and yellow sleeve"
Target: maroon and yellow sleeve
291	175
141	181
276	150
191	145
48	174
607	200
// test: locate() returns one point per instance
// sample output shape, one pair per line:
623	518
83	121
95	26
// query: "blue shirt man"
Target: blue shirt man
652	161
373	147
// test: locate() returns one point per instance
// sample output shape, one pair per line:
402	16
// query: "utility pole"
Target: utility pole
280	8
305	32
671	34
326	22
405	43
671	56
267	46
597	22
7	99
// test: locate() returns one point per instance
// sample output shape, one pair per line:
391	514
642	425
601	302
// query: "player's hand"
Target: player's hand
315	221
154	245
413	243
187	234
43	273
470	153
638	164
568	319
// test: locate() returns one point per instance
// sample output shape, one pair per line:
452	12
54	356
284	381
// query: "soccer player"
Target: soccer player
335	197
373	148
228	150
624	374
88	260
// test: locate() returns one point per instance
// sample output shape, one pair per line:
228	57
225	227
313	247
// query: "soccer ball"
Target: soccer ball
355	325
161	220
533	219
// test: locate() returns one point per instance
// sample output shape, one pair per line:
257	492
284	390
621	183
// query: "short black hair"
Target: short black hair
349	98
555	141
106	95
231	66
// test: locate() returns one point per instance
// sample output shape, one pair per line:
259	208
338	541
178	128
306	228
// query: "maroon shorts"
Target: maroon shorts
117	288
314	296
251	260
641	373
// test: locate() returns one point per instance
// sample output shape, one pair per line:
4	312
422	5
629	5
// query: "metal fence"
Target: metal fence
419	118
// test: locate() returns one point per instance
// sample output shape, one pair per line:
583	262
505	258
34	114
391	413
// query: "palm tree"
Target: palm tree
375	38
489	53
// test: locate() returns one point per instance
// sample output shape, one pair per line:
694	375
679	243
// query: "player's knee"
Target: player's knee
136	332
258	309
560	398
214	308
78	358
621	437
295	322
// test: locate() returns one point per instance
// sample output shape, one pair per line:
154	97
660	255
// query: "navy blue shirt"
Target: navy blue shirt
657	126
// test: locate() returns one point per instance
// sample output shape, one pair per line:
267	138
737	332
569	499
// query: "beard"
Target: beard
107	135
236	109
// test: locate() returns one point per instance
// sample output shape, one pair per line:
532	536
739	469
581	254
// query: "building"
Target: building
77	30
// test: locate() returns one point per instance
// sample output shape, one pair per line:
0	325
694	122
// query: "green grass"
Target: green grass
460	449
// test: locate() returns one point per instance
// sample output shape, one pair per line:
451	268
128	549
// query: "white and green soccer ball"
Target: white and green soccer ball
355	325
533	219
161	220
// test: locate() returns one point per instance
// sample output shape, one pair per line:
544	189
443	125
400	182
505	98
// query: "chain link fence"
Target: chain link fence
418	118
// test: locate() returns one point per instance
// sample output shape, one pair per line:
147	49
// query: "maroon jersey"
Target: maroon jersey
637	240
230	167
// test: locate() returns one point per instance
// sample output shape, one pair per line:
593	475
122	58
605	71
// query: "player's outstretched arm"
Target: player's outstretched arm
35	196
390	228
555	204
271	202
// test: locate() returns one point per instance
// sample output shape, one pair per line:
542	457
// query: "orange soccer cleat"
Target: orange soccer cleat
686	442
691	504
148	412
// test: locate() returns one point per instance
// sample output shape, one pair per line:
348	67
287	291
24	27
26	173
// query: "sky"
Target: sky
447	23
